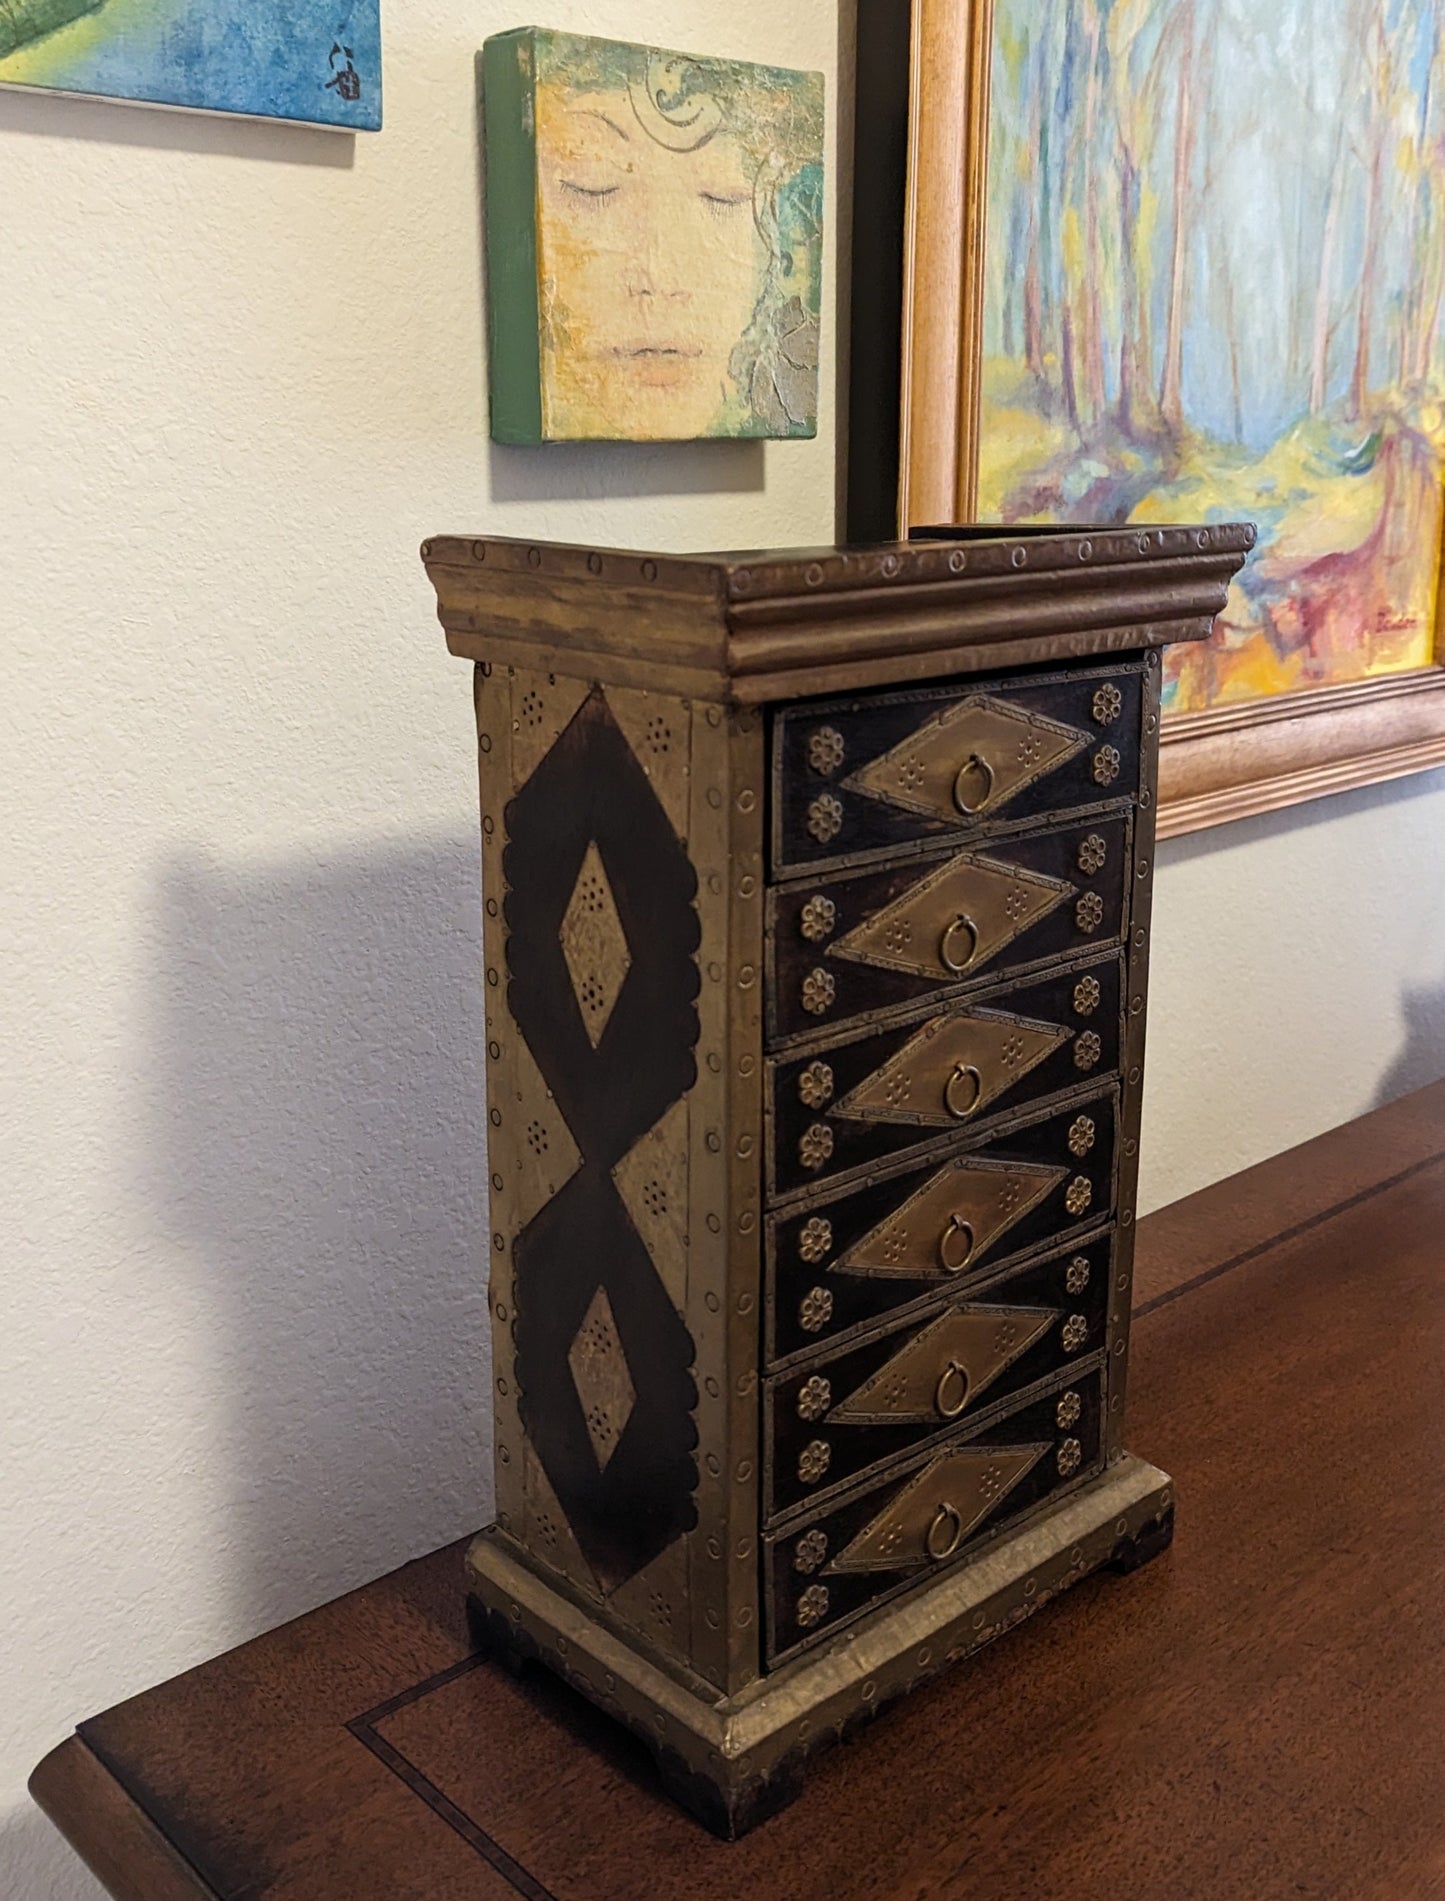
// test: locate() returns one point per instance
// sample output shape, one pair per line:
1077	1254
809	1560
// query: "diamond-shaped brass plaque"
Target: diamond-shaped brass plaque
942	1371
594	945
952	1069
969	761
949	1224
929	1519
953	922
599	1372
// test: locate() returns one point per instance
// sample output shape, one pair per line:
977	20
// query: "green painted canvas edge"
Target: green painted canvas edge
508	70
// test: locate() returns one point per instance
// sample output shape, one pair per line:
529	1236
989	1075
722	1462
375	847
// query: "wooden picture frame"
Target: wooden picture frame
1225	763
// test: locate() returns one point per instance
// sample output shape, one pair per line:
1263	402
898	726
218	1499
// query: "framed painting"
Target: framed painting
654	242
1184	260
316	61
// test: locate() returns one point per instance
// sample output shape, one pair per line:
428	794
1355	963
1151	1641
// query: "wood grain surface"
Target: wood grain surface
1256	1715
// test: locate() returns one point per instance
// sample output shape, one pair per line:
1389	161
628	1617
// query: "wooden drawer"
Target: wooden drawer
829	1423
931	1516
930	1231
840	1107
868	775
939	926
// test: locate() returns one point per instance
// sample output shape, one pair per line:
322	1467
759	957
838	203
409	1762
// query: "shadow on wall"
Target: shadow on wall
36	1863
115	122
1422	1060
318	1141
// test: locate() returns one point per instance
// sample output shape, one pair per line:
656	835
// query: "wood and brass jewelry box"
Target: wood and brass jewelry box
817	891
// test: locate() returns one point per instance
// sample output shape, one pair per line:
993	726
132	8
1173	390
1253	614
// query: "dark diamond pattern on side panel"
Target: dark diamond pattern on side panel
590	789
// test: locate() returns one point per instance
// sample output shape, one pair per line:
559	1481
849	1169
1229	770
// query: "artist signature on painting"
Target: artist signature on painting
345	81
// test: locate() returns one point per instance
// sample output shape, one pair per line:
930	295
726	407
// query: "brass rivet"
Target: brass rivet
496	1118
745	1547
745	1303
594	564
714	883
489	825
714	1062
747	886
958	561
506	1458
869	1691
713	1140
745	1145
484	740
890	565
426	551
1086	550
711	1302
747	801
1127	1218
714	716
502	1311
497	1183
712	1464
714	1225
494	1050
713	1620
714	1549
747	977
710	1387
1131	1147
479	551
1143	870
746	1065
1134	1074
746	1384
1146	797
1116	1404
1122	1528
502	1387
499	1242
978	1620
534	557
714	797
492	978
813	575
714	972
745	1617
745	1472
746	1221
1031	1588
742	580
649	570
491	907
1020	557
1136	1004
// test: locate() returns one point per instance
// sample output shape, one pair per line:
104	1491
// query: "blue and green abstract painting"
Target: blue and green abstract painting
313	60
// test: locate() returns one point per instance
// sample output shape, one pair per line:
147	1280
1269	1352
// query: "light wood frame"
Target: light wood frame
1231	761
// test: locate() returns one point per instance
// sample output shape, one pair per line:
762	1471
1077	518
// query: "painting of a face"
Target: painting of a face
677	245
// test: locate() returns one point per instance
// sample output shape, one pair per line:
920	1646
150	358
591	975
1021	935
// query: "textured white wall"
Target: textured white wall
242	1363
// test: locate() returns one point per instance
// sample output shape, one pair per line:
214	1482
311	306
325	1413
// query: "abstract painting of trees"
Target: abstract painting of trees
1215	278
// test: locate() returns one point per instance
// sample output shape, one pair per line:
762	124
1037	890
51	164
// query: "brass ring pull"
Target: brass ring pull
963	1072
963	922
975	762
945	1534
950	1408
956	1226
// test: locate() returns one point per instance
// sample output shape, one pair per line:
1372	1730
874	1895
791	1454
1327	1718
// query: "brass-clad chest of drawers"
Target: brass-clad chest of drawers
817	892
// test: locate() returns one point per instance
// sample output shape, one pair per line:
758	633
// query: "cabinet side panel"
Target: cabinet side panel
494	758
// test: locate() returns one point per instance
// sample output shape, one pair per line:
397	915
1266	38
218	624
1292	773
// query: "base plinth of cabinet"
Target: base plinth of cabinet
733	1761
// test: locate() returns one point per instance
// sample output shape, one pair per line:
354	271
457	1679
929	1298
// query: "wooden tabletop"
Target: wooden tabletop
1259	1714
